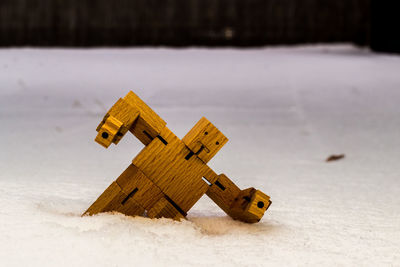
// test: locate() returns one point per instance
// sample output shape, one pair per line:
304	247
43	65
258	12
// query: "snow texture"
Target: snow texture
285	110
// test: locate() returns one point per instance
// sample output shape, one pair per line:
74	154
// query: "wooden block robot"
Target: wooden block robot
169	175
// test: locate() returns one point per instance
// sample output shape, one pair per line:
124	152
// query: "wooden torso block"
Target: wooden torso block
165	164
137	186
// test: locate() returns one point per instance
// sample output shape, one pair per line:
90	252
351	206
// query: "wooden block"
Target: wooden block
250	205
130	207
259	203
143	131
146	112
131	194
124	112
116	123
209	176
149	124
169	175
164	209
204	139
108	132
243	199
138	187
223	192
108	201
166	165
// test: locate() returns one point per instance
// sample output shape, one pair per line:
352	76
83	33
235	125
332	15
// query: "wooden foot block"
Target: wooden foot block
108	201
164	209
131	208
131	194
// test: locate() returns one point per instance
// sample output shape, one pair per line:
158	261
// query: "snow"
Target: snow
285	110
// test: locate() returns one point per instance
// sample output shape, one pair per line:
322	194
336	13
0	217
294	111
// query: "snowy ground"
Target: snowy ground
284	110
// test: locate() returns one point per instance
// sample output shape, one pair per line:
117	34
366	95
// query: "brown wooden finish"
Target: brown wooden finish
164	208
169	175
246	205
204	139
110	200
141	189
132	193
149	124
223	192
165	164
250	205
116	123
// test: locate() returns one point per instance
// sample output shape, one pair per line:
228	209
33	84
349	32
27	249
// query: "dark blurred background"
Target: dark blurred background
82	23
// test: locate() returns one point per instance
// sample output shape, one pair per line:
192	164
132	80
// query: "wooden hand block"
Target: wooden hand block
250	205
109	132
116	123
246	205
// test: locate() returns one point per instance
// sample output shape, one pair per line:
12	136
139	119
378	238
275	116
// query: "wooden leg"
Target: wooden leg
131	194
108	201
138	187
164	208
246	205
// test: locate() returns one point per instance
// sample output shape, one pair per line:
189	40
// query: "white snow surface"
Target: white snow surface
284	109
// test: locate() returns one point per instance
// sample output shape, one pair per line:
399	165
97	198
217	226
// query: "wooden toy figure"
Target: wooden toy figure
169	175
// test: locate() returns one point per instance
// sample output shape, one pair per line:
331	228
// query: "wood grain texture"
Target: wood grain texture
250	205
247	205
149	124
116	123
166	165
169	175
146	112
259	203
146	192
109	132
109	200
164	208
131	208
223	192
132	193
204	139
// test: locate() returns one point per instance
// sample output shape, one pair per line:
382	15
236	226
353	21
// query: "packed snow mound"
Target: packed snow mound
285	110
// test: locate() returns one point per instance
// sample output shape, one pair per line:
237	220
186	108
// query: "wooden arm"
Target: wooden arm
246	205
249	205
129	114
